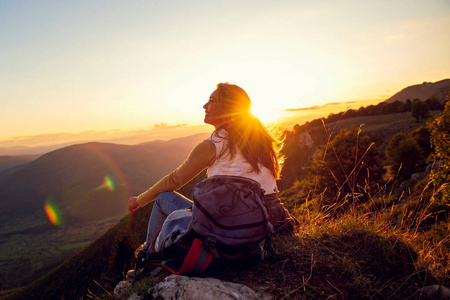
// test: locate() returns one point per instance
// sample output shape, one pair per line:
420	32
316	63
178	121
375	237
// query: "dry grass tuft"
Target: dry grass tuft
352	257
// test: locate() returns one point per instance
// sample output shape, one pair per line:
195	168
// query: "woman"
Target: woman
239	146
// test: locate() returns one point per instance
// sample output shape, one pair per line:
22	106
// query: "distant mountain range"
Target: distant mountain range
427	90
7	162
87	181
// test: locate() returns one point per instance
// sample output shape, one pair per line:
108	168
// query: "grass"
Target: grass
357	255
353	257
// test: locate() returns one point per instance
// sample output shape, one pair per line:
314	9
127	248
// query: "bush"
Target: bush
440	140
346	169
404	154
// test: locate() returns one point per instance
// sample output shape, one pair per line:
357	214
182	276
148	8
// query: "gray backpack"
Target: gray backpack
227	223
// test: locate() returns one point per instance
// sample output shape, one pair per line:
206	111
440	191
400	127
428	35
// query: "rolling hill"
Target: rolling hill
90	180
85	187
424	91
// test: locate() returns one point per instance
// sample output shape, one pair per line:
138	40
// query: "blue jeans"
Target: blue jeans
165	203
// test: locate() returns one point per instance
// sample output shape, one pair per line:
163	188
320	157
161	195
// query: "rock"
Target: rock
193	288
433	166
122	286
433	292
415	176
135	297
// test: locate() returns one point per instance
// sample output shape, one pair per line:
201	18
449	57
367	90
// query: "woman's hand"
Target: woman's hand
132	204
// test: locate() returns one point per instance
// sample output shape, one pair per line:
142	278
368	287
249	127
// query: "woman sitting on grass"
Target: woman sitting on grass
240	146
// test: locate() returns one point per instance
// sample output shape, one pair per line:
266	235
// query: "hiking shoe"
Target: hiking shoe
130	275
136	275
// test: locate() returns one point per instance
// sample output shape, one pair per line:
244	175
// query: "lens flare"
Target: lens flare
114	179
108	184
53	213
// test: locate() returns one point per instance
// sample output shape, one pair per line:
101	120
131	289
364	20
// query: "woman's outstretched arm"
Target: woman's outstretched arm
200	157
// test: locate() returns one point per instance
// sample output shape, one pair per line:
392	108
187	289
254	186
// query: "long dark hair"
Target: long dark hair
245	131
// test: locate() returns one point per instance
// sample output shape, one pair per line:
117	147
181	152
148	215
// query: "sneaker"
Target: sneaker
130	275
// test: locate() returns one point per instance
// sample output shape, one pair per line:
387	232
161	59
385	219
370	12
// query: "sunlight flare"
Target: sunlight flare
266	113
53	213
108	184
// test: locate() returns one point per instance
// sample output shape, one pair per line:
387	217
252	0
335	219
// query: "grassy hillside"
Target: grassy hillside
303	141
381	127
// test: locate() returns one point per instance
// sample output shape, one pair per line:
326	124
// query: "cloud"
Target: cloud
332	103
315	107
164	126
302	108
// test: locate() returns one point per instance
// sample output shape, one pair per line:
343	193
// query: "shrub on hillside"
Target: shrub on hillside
405	155
346	169
440	140
422	137
297	156
419	110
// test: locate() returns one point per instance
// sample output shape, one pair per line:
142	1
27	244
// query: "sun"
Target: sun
267	114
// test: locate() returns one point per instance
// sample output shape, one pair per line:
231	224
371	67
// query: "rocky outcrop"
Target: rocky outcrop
193	288
433	292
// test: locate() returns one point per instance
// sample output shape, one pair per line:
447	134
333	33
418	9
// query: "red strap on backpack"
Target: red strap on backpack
196	261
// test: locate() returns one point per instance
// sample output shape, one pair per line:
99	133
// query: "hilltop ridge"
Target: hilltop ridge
424	91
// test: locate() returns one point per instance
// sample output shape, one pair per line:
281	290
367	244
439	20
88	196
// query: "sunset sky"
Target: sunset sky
114	66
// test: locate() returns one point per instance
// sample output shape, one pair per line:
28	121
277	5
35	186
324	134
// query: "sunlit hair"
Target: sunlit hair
245	131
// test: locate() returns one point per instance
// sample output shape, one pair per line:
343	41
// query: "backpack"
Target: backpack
228	223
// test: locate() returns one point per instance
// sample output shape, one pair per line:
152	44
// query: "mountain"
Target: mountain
60	202
427	90
8	161
89	180
25	150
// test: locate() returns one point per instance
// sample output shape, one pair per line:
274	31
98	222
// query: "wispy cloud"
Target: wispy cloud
164	126
332	103
303	108
316	107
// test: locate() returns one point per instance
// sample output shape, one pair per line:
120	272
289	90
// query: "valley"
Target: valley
86	188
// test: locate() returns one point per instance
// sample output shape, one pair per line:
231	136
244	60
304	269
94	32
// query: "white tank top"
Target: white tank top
238	166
